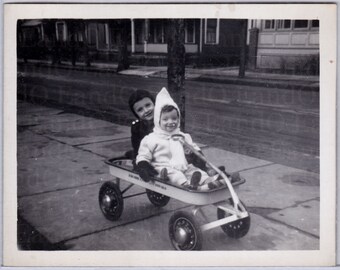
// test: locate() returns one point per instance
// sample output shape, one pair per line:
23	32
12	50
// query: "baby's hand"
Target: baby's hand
145	170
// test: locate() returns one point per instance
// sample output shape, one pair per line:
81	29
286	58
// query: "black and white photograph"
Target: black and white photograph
196	133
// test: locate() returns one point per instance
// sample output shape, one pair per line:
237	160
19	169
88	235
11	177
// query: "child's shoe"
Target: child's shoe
212	172
235	177
222	168
163	175
215	184
195	179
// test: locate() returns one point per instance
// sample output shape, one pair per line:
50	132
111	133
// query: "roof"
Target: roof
32	23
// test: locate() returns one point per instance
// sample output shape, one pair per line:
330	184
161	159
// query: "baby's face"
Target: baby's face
144	109
169	121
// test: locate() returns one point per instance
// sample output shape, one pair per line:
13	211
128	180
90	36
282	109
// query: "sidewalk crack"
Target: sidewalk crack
63	242
256	167
57	190
111	140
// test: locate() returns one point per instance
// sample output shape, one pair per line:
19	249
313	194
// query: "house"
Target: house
282	45
207	41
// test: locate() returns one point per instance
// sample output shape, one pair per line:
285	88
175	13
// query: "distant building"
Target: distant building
207	41
283	45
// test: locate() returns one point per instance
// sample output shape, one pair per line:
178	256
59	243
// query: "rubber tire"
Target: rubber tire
237	228
113	212
191	224
157	199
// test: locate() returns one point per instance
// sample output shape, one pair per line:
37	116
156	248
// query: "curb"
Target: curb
78	68
259	83
270	83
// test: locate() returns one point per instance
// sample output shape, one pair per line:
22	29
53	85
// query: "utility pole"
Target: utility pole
176	64
243	49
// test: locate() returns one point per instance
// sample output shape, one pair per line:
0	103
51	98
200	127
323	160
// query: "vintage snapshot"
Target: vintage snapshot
169	135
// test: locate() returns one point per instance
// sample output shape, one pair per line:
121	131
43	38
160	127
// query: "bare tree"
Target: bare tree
176	64
72	28
85	44
243	49
123	57
50	32
21	50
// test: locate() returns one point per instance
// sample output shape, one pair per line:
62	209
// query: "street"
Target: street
279	125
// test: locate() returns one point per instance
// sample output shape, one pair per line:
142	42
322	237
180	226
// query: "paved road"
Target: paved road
279	125
61	169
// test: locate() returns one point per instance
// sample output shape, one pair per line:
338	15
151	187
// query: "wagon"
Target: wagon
185	232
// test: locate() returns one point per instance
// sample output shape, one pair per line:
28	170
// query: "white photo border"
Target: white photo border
326	13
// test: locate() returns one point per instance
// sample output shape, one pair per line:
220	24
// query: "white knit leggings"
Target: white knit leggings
179	178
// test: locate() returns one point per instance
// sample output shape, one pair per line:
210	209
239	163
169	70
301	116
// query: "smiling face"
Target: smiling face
144	109
169	120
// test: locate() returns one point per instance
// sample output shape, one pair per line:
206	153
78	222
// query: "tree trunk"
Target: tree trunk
50	31
176	64
123	57
21	50
86	46
73	50
243	49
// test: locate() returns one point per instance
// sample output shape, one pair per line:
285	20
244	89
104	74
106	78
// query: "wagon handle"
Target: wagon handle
181	138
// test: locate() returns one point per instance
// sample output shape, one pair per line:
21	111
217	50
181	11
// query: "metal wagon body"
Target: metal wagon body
184	231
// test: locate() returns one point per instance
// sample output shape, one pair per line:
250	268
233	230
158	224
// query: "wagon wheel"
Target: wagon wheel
237	228
111	201
157	199
184	232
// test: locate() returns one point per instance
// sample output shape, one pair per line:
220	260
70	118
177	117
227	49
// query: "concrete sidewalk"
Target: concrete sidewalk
61	168
228	75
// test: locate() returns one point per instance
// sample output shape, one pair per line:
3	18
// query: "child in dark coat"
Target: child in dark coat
142	104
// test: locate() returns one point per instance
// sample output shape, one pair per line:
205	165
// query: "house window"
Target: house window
212	31
102	37
92	34
300	24
157	31
114	32
61	33
190	31
269	24
283	24
31	36
139	31
80	37
315	23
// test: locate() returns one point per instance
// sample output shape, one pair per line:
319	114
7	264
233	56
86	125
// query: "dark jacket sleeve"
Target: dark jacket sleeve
196	161
135	139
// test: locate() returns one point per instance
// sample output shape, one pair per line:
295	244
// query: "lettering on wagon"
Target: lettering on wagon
151	183
134	176
158	185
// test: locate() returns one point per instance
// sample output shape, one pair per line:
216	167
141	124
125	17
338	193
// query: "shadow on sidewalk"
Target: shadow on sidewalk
30	239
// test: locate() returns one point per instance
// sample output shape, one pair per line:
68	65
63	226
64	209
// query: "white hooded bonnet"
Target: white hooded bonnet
177	160
163	98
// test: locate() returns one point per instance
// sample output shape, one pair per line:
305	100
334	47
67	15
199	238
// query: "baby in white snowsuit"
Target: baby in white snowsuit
161	151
